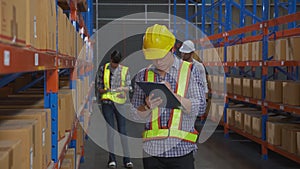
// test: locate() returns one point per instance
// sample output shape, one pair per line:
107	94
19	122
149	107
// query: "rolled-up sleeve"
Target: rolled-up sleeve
196	93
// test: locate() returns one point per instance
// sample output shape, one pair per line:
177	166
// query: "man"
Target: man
188	54
114	83
169	136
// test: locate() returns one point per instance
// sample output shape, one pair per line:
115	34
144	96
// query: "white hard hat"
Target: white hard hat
187	47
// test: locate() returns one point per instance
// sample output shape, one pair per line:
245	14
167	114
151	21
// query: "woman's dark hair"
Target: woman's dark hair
116	56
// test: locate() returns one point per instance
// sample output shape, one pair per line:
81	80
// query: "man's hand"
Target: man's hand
153	102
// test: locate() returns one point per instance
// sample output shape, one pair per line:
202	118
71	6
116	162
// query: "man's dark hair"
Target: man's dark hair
116	56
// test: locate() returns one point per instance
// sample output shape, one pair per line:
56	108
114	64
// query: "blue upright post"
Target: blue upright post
212	21
264	73
203	25
276	12
254	13
242	16
186	19
292	10
228	15
220	17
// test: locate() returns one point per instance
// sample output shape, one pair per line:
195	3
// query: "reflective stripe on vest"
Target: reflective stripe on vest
114	96
174	126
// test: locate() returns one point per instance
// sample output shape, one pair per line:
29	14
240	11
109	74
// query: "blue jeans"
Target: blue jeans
109	112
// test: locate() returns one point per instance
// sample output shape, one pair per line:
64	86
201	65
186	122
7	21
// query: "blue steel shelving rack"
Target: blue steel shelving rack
230	33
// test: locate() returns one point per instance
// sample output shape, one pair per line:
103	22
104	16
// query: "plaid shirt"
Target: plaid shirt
172	147
115	78
201	69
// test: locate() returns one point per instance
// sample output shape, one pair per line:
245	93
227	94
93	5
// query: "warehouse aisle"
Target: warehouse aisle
218	152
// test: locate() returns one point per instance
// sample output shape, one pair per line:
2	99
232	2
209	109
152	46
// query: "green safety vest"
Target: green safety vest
174	127
114	96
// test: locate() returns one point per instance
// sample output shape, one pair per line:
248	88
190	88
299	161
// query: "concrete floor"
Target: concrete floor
236	152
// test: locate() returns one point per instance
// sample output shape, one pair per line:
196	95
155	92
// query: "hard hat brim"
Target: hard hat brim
152	54
184	51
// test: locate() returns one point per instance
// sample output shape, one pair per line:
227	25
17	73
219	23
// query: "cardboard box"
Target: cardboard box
215	83
239	119
281	49
80	138
43	124
248	123
230	116
221	53
247	52
291	92
289	139
14	149
220	114
71	155
238	55
66	164
32	21
274	91
12	21
21	130
230	55
274	133
247	87
69	111
229	84
62	111
51	18
271	49
4	159
256	51
293	48
257	89
221	83
257	126
238	86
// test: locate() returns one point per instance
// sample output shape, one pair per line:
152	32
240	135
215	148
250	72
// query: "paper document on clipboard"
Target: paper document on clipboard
162	91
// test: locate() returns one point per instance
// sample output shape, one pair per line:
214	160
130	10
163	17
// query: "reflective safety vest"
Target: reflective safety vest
117	97
173	130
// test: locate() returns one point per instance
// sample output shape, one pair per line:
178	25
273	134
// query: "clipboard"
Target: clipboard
162	91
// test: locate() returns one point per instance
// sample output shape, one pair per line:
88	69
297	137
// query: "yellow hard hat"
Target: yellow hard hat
158	41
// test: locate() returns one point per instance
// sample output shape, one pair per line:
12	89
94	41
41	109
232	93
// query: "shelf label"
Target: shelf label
44	137
247	63
259	102
6	58
247	99
281	107
260	63
234	96
234	63
31	158
36	59
265	104
282	62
